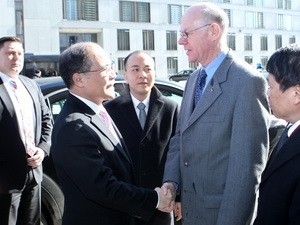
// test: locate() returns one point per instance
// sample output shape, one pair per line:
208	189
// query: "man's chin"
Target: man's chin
111	95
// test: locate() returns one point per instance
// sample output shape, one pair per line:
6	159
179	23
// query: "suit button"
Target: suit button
186	164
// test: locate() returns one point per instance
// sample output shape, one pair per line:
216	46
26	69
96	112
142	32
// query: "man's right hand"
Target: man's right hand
166	202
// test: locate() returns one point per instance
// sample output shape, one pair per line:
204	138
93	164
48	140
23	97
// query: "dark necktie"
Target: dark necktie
142	114
201	80
283	138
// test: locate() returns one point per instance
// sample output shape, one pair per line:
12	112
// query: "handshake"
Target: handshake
166	197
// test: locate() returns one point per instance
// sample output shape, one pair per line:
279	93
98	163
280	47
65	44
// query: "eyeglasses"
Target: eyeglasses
185	34
108	69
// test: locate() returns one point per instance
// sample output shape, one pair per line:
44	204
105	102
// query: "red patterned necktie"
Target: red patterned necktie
26	120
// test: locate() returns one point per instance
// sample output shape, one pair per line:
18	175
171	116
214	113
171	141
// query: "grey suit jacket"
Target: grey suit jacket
221	146
13	163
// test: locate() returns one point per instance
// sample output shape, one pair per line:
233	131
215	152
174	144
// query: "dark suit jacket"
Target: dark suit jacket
279	191
148	148
13	163
95	171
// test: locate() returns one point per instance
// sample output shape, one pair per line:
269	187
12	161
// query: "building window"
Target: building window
287	22
194	65
80	10
248	42
123	39
264	60
254	20
280	22
19	20
284	22
19	23
260	20
250	20
255	2
135	11
231	40
264	42
67	39
171	40
172	65
284	4
249	59
228	12
148	39
249	2
121	67
292	39
260	3
175	13
278	41
224	1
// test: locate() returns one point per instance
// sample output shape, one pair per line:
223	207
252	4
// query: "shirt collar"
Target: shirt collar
5	78
211	68
96	108
293	127
136	101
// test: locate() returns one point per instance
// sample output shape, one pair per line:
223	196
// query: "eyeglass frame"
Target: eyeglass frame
105	68
185	34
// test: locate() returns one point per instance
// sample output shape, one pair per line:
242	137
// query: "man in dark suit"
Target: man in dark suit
279	191
147	142
220	148
25	130
90	157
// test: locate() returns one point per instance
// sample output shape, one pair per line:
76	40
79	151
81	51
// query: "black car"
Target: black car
55	93
181	76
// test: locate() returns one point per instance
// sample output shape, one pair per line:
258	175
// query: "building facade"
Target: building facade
257	27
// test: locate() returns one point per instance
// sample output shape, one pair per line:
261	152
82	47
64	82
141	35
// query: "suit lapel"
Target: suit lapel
289	150
211	93
120	146
155	106
97	124
7	101
127	109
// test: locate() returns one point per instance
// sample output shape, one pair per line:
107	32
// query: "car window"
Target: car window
171	92
56	99
56	107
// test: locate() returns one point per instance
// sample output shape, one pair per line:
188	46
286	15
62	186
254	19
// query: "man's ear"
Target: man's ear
77	79
215	30
297	94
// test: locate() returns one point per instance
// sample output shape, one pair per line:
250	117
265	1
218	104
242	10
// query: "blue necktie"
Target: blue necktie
201	80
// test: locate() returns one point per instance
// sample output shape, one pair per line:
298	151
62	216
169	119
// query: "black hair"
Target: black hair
7	39
74	59
284	65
